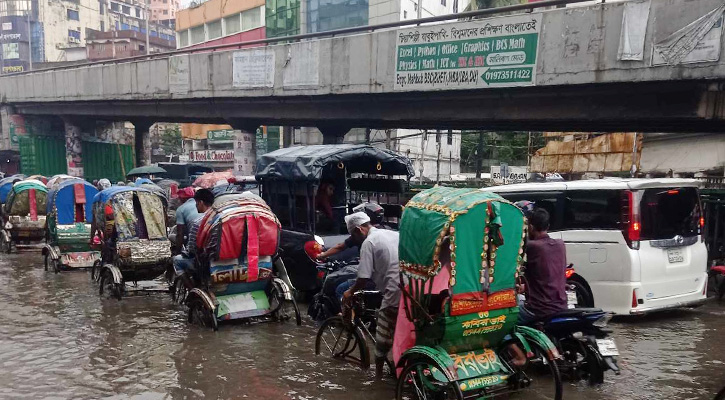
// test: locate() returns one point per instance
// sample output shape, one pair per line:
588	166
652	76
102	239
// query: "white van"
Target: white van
635	243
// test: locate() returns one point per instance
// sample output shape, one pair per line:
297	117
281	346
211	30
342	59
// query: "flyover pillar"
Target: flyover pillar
245	146
142	144
333	134
73	148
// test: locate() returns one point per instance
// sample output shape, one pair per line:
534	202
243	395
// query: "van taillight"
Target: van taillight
634	299
631	225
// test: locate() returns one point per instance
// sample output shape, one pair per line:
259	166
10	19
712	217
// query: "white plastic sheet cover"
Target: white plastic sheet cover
697	42
634	30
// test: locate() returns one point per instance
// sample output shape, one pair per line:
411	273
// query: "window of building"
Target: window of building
115	7
125	27
126	10
197	34
405	14
443	3
103	27
214	29
74	34
232	24
183	37
154	34
166	12
101	7
72	15
138	12
252	18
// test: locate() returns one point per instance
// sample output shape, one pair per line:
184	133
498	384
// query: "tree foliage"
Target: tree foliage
171	141
509	147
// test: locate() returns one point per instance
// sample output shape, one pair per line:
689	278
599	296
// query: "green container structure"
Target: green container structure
107	160
43	155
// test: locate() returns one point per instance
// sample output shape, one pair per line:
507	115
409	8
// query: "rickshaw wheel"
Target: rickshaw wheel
179	291
414	383
114	290
540	369
199	314
286	307
6	247
339	340
95	270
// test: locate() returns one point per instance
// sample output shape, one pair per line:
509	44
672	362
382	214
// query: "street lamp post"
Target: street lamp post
148	50
30	43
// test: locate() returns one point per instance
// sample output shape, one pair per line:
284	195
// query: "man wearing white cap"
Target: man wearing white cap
379	263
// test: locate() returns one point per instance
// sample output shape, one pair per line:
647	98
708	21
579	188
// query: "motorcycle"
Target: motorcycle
581	336
583	340
332	273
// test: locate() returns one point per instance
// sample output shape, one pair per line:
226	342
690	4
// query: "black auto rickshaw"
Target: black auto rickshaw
292	181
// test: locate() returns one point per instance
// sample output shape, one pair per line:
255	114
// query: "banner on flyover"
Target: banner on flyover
498	52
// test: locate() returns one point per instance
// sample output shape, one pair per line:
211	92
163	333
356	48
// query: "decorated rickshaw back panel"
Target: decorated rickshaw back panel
232	276
485	237
64	197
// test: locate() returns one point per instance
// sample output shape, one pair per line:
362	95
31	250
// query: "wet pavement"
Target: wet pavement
59	340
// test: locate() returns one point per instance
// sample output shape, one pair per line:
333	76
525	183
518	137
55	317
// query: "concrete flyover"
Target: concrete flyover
591	68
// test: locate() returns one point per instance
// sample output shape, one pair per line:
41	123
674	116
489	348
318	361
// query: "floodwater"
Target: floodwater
59	340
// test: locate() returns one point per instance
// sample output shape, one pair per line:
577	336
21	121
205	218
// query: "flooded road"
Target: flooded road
58	340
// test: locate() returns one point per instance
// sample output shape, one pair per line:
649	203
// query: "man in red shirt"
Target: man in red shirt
545	271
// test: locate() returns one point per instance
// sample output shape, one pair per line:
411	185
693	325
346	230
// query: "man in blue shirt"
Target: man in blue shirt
186	214
204	199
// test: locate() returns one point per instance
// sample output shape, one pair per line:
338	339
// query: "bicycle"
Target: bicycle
345	336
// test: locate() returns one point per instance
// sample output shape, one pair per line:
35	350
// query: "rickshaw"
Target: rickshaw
23	215
237	274
461	251
6	184
135	250
290	180
58	179
68	219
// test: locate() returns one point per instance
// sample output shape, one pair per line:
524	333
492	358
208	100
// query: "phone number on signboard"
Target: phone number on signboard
438	78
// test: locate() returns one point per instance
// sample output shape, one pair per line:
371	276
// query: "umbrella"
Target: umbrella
210	179
147	170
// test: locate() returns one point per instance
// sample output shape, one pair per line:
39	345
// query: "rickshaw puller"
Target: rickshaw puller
186	214
379	263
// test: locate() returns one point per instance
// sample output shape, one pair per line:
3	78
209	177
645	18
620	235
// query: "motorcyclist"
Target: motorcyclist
545	269
339	281
377	216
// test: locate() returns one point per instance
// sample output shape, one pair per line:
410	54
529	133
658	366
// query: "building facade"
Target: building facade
53	31
122	44
163	11
218	21
291	17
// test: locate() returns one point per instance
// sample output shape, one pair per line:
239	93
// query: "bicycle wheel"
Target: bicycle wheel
417	382
339	340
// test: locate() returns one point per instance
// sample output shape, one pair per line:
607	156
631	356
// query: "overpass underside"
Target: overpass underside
668	106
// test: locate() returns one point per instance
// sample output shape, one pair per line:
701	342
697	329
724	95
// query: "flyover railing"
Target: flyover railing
527	7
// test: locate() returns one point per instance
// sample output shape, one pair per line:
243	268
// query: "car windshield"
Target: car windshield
667	213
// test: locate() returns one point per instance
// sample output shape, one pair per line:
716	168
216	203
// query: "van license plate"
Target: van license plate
675	256
607	347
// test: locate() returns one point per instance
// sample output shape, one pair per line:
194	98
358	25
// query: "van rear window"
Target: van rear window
666	213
